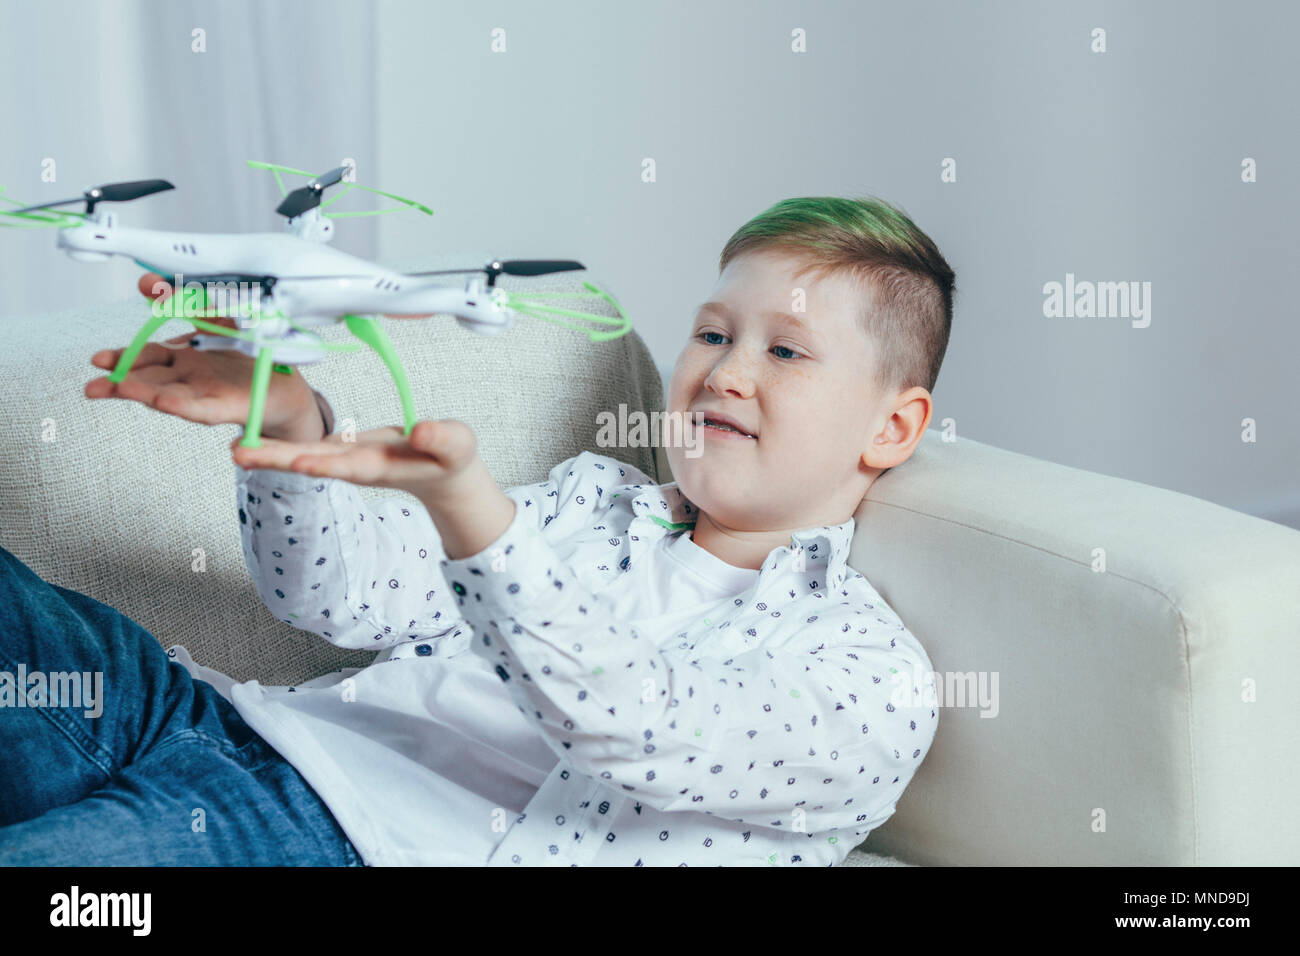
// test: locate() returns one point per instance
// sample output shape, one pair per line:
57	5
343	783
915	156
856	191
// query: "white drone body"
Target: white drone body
320	284
284	283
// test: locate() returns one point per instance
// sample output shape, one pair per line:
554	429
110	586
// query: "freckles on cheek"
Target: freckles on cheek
792	381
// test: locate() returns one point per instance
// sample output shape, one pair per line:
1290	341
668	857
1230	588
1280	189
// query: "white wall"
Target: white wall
1115	166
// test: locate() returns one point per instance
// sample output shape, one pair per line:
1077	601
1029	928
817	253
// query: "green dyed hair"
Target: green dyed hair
907	286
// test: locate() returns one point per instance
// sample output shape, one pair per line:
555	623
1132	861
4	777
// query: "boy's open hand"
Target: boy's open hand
428	464
210	387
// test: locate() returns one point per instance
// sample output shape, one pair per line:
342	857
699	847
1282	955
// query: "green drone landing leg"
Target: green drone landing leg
372	333
257	397
159	315
137	343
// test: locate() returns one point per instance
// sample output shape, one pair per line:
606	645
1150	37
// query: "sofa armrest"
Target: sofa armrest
1144	707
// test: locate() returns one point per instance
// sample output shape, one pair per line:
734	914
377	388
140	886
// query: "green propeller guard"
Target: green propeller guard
277	169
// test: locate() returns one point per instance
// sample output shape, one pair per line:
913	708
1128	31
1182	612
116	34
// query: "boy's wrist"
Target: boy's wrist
312	424
465	490
326	413
469	510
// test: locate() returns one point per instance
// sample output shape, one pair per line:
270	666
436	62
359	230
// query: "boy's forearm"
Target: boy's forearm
470	511
312	424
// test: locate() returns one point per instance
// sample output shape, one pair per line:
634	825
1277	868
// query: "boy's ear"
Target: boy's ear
904	428
923	395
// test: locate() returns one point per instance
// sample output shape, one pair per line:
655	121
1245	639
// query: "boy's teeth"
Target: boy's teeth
710	421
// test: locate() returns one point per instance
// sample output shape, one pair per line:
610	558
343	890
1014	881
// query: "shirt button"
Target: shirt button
424	650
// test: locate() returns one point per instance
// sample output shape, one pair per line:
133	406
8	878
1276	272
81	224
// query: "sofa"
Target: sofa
1117	664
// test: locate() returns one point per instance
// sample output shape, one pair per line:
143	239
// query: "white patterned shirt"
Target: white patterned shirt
593	688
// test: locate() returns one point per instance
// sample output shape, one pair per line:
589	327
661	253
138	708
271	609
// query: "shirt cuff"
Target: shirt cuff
510	575
271	479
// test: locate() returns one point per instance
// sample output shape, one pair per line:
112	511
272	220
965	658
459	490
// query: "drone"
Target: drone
282	284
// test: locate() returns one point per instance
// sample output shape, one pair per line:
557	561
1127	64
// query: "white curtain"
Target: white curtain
183	90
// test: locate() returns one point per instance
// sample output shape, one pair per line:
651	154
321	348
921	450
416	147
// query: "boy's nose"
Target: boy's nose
733	376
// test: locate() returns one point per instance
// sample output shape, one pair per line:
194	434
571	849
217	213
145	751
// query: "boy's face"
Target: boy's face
802	388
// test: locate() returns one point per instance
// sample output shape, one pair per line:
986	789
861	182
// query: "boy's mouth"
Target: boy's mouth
723	427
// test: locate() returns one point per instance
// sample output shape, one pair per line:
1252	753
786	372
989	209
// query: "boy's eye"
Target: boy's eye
705	336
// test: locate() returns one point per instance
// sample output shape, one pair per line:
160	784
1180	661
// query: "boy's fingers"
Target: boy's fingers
374	436
259	457
179	400
153	353
273	453
336	444
450	441
156	388
363	463
380	466
154	286
329	466
145	388
139	386
289	456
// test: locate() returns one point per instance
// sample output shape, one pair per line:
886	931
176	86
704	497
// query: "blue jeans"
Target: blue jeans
167	773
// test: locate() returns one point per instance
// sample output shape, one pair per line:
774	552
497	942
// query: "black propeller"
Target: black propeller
109	192
513	267
307	197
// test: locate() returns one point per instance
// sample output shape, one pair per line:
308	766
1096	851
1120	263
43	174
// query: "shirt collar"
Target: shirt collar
661	509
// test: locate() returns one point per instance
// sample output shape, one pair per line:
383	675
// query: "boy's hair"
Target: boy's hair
908	309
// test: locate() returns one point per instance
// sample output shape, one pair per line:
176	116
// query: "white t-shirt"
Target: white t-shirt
441	770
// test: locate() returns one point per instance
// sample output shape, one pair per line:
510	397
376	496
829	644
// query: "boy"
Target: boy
681	674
